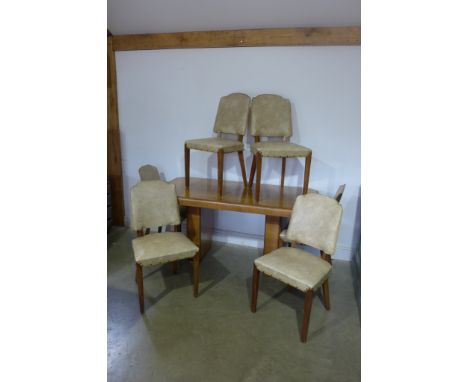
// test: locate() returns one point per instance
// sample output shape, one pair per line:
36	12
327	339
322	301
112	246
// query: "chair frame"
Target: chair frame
139	269
220	154
257	168
309	295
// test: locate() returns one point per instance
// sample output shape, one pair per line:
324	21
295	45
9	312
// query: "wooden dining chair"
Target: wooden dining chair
154	204
270	116
150	172
231	118
337	197
315	221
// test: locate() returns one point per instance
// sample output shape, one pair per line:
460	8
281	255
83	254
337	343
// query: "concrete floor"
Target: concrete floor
215	337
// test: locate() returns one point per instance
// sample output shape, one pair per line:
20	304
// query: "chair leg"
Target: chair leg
307	308
160	229
220	171
325	286
242	164
196	273
326	294
283	171
307	173
139	280
187	166
252	172
255	276
259	176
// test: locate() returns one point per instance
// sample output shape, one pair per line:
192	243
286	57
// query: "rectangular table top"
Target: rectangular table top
203	193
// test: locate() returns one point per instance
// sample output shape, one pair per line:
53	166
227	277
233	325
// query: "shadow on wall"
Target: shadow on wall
356	257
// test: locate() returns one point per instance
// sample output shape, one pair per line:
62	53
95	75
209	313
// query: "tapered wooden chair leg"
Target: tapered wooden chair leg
326	294
187	167
252	172
139	280
255	276
307	308
306	174
220	171
242	164
140	233
259	176
196	273
325	287
283	171
175	265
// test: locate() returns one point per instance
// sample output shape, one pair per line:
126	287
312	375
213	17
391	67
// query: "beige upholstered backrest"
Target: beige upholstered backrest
148	172
315	221
232	115
154	204
270	116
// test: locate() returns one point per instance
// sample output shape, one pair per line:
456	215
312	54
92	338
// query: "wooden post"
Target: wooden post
114	160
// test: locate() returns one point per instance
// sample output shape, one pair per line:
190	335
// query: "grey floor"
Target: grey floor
215	337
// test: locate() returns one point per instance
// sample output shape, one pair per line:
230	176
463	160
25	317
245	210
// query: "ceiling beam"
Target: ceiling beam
240	38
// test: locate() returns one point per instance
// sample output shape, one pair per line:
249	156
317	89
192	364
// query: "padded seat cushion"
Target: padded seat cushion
215	144
294	267
279	149
159	248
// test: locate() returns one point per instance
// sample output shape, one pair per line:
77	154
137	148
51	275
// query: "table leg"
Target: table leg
272	231
194	230
194	225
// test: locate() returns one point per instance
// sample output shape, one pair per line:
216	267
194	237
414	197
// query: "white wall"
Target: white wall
168	96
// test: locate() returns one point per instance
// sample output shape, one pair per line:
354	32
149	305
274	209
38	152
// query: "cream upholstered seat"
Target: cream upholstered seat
315	221
215	144
231	118
150	172
338	195
279	149
294	267
154	204
270	116
162	248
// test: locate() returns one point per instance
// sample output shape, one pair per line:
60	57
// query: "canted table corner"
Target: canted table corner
274	202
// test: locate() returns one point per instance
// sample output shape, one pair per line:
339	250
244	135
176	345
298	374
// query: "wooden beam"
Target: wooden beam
114	160
240	38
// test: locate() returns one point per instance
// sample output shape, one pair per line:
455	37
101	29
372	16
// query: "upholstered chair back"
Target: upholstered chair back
148	172
270	116
154	204
232	115
315	221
